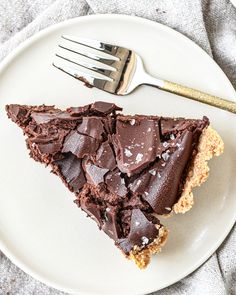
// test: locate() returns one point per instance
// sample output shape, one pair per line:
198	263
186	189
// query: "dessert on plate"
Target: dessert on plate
124	170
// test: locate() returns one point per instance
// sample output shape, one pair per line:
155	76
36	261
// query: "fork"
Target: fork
119	70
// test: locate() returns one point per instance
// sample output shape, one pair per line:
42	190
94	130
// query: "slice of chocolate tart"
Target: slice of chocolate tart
123	170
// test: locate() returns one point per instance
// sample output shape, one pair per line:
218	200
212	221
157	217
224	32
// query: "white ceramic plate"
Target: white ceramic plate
233	2
41	230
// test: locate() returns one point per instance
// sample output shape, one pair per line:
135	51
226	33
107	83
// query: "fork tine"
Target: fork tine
102	69
95	44
97	57
91	79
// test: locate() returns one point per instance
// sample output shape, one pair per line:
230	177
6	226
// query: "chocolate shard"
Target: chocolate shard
142	232
17	113
49	143
159	184
79	144
137	143
96	108
115	183
92	126
105	157
44	118
104	107
94	174
78	111
70	168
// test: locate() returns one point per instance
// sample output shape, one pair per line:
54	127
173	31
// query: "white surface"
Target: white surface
233	2
41	229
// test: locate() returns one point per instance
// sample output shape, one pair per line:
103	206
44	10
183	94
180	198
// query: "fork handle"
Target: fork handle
199	96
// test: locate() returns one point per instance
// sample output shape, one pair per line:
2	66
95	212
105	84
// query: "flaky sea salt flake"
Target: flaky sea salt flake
139	182
139	158
165	156
172	137
128	153
165	144
153	172
145	240
168	208
132	122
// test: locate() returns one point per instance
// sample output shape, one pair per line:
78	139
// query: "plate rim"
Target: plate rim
27	43
233	2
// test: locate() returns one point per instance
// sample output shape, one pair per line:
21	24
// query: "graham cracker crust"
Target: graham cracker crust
142	256
210	144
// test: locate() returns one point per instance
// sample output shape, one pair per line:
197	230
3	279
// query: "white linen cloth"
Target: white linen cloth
212	25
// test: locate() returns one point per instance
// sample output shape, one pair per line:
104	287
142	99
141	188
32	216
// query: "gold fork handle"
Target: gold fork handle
199	96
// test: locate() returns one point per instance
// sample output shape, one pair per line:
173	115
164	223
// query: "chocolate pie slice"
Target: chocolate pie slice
123	170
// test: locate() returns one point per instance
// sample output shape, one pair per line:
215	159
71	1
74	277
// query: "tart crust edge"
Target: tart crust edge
210	145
